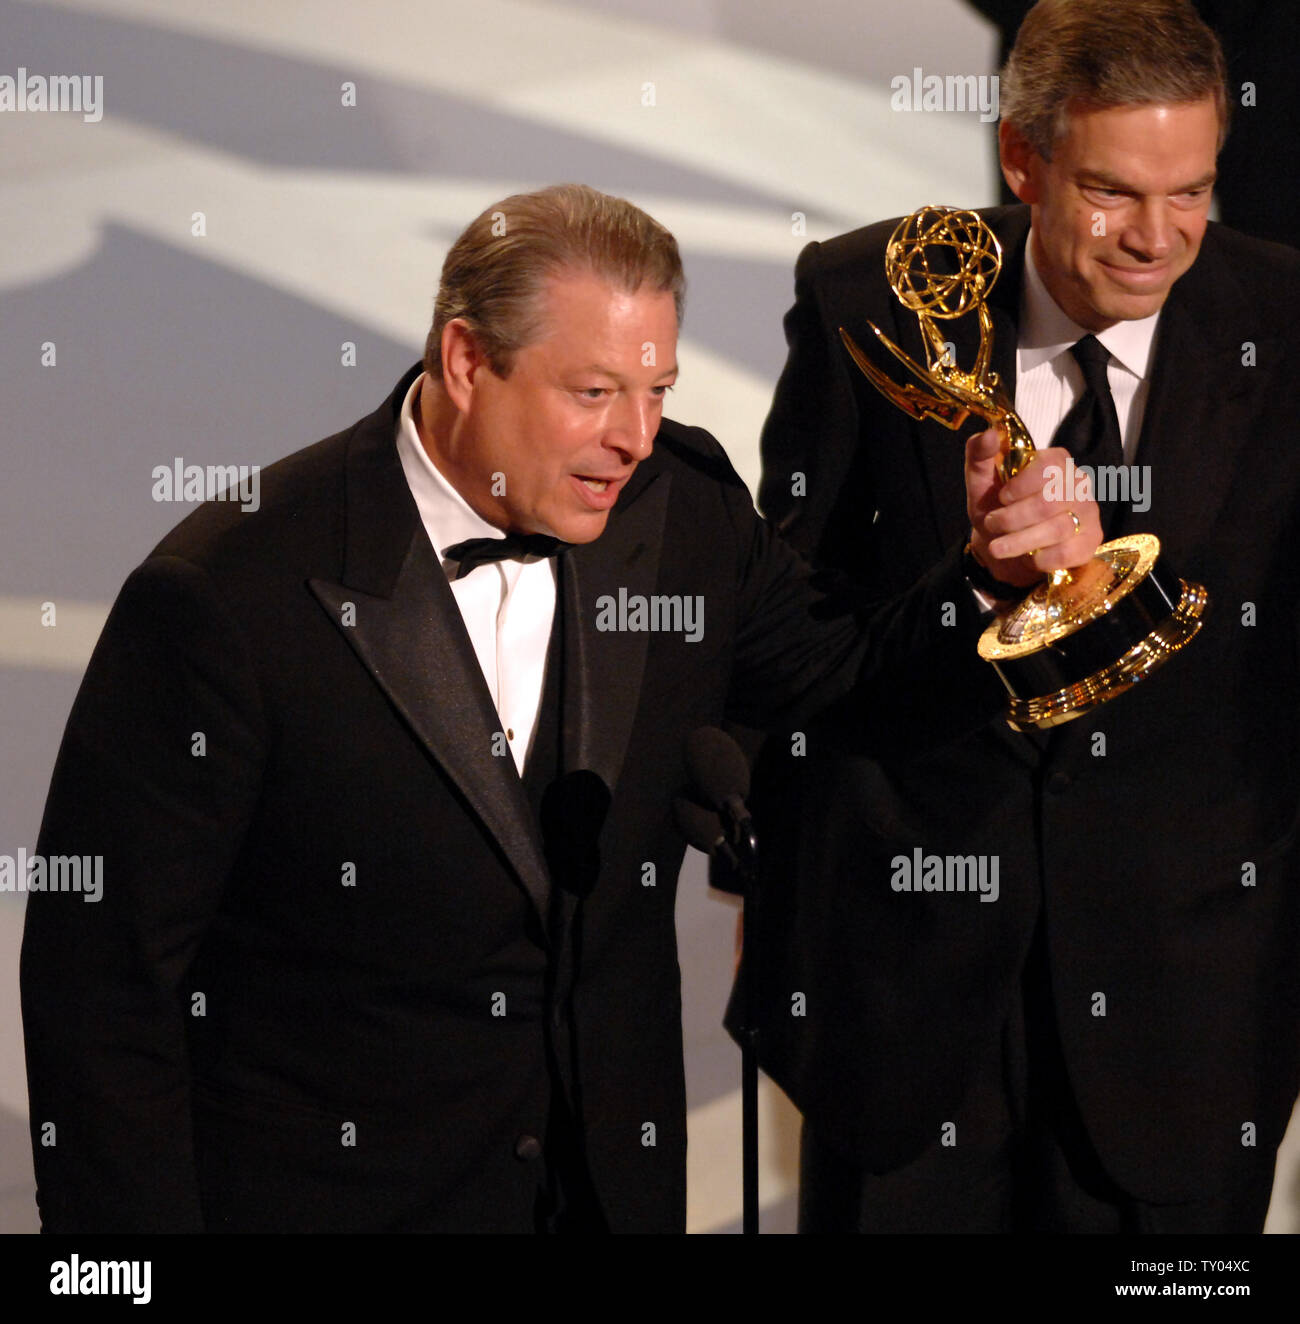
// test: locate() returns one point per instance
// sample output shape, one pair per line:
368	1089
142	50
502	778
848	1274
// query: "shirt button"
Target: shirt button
528	1147
1059	782
510	733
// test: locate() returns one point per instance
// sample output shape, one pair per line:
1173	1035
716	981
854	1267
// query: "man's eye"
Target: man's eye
1104	194
661	391
593	392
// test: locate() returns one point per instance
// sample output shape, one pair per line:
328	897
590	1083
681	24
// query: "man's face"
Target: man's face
1120	209
548	448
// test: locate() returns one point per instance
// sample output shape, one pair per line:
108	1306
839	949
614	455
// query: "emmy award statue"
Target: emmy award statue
1082	636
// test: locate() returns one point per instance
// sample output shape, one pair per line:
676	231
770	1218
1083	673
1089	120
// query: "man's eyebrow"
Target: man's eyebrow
1102	179
1204	182
609	372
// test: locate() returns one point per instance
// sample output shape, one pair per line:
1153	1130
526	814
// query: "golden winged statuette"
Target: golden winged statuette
1081	637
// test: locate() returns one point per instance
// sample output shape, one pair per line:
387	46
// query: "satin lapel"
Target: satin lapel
409	634
415	646
1192	432
603	668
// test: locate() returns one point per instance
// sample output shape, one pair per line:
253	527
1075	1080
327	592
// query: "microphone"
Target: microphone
702	829
720	776
572	814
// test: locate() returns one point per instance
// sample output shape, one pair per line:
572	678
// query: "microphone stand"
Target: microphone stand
739	828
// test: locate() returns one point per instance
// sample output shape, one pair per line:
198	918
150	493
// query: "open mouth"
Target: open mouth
597	493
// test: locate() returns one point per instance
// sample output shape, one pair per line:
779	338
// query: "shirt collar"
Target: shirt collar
1046	331
447	517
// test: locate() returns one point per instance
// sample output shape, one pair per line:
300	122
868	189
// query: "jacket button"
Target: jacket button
1059	782
528	1147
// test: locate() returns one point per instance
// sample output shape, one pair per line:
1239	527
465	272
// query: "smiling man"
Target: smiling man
1120	202
383	800
1111	1045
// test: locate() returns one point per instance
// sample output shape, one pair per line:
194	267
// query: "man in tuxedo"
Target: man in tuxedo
380	777
1106	1037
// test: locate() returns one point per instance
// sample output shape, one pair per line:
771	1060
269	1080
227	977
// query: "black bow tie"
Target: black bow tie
474	552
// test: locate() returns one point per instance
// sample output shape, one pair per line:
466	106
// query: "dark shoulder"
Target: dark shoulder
847	273
864	248
1265	273
694	454
710	511
297	521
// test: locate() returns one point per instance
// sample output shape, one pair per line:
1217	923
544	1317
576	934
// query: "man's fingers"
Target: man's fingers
1048	473
983	447
1031	511
1058	542
982	451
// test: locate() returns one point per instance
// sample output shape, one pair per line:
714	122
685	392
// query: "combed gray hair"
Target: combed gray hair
1100	53
494	275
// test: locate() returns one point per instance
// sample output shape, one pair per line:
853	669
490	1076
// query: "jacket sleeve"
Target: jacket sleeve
900	675
901	671
155	782
911	678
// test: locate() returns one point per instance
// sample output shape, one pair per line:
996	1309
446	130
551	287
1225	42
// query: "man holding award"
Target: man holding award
1032	961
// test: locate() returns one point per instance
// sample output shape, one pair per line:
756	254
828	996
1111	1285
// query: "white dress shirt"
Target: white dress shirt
508	606
1049	381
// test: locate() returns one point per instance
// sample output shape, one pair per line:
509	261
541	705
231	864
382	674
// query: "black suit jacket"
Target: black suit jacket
1156	835
339	974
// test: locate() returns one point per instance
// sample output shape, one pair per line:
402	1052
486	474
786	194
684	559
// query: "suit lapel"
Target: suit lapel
405	627
1191	434
603	668
1191	429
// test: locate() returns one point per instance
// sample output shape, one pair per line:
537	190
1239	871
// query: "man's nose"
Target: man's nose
632	430
1150	232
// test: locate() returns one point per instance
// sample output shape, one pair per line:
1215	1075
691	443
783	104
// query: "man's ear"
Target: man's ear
462	360
1018	159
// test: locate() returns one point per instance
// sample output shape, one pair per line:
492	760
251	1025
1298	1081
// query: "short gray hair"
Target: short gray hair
494	275
1101	54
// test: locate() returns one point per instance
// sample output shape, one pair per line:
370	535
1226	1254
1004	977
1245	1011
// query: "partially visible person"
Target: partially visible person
1103	1035
1258	186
